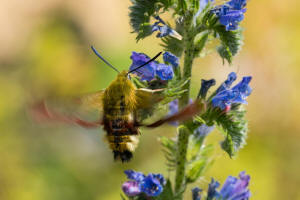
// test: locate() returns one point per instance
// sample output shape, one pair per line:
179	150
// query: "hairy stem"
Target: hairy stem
183	132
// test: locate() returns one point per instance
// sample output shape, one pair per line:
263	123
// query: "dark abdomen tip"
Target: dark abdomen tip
124	156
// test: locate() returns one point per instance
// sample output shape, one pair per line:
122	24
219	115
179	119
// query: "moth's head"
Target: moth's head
124	75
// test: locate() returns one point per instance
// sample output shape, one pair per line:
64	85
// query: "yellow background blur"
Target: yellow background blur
45	49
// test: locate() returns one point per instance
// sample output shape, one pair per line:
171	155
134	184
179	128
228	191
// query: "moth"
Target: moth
119	104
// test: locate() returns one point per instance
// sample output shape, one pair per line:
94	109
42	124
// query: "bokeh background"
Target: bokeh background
45	50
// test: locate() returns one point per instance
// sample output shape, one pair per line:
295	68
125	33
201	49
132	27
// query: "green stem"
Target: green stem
183	132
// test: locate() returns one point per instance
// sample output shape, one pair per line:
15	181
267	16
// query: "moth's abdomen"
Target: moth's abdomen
123	146
122	137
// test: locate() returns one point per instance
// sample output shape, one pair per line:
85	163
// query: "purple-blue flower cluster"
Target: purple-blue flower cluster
154	69
231	13
225	96
233	189
164	29
151	185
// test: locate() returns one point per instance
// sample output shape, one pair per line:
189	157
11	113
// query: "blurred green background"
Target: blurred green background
45	50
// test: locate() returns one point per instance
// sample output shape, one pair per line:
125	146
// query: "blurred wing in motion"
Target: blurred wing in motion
186	113
91	101
72	111
147	98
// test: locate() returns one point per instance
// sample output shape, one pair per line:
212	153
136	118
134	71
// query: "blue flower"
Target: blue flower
196	193
161	178
236	189
228	82
164	72
136	176
231	13
205	85
153	69
131	188
170	58
231	19
225	96
233	188
212	189
164	30
237	4
151	185
148	71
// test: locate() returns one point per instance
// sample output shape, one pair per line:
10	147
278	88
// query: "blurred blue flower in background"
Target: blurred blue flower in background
151	185
203	130
225	96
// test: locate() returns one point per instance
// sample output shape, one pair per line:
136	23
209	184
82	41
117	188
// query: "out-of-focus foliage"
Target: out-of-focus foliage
63	162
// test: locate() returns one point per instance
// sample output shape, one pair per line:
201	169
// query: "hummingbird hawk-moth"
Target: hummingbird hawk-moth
119	104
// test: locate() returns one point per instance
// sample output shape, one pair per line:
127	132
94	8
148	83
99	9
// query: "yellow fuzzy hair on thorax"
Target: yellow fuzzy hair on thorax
119	97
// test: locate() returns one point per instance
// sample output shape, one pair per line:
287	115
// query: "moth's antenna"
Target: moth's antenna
149	61
95	51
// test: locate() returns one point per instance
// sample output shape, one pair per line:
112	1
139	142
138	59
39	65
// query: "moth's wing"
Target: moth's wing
79	110
147	98
186	113
91	100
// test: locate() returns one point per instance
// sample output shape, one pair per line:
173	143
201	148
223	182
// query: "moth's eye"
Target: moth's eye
129	77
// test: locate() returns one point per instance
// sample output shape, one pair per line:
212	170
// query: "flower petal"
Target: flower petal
131	188
136	176
170	58
151	186
148	71
164	72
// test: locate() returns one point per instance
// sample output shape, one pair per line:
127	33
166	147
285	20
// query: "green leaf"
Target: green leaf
167	193
198	157
231	42
235	127
138	82
195	170
141	12
181	7
200	43
169	149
